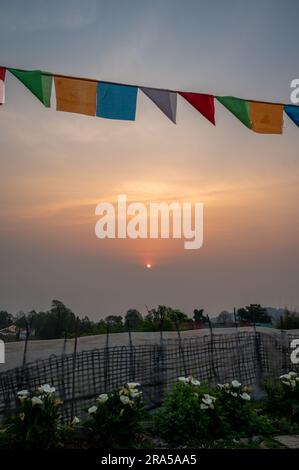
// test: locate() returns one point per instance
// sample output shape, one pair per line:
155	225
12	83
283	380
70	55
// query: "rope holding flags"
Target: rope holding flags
111	100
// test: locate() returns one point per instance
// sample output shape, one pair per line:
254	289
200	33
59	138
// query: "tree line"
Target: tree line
59	321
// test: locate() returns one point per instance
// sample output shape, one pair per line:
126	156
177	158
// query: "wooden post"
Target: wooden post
74	370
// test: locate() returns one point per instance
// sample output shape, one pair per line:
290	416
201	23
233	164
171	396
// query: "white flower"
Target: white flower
92	409
195	382
135	393
224	386
285	376
76	420
204	407
209	397
133	384
233	394
207	401
102	398
124	399
293	374
46	389
245	396
23	393
286	382
236	384
36	401
189	380
22	398
293	383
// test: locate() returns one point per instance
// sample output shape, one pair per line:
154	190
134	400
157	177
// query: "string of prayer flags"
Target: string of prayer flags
38	83
293	112
266	118
165	100
203	103
2	85
116	101
237	106
119	101
75	96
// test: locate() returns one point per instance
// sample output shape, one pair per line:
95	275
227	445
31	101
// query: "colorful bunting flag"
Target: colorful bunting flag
293	113
2	86
75	96
266	118
39	83
165	100
237	106
47	81
116	101
203	103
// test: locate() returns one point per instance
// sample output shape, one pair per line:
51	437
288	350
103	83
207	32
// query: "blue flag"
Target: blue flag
116	101
293	113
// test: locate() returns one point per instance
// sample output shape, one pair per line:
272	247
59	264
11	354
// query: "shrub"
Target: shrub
237	415
283	397
188	413
38	421
115	418
194	412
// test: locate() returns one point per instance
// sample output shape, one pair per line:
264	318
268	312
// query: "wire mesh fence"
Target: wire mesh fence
250	357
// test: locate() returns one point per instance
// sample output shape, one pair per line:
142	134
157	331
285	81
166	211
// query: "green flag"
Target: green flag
239	107
37	82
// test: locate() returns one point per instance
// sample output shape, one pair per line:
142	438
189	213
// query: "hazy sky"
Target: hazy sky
56	167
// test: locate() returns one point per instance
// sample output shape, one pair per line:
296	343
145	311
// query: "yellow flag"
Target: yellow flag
76	96
266	118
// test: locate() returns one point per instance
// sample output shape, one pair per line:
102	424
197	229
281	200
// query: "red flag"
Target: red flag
2	79
2	73
203	103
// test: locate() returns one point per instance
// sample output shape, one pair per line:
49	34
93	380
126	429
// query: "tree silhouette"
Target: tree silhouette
198	316
133	319
254	313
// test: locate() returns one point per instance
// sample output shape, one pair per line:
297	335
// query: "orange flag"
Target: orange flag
266	118
76	96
